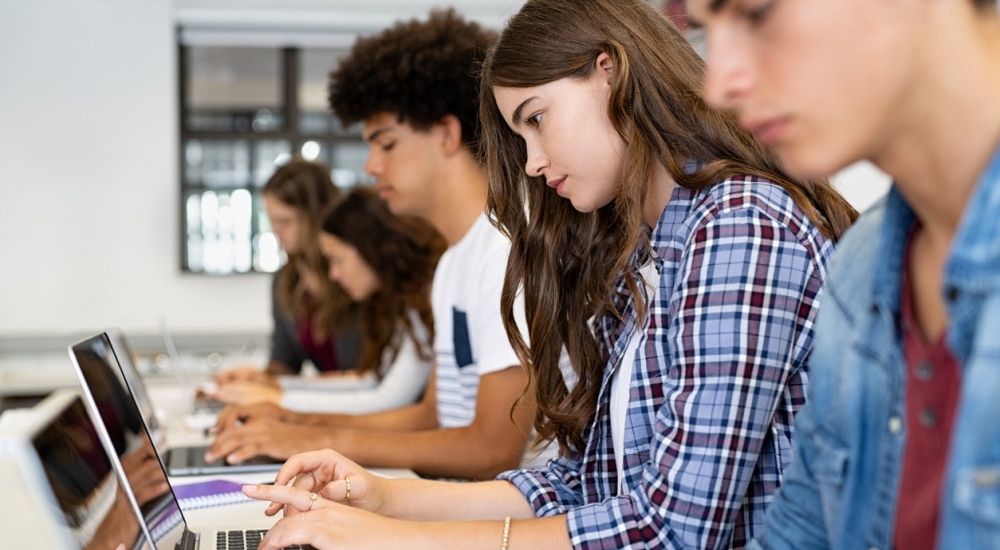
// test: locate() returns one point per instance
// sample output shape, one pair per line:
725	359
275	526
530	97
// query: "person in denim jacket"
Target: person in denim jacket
899	444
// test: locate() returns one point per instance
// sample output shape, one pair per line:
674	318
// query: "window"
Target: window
244	111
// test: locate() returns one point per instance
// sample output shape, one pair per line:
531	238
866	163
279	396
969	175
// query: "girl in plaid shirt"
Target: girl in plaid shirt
661	249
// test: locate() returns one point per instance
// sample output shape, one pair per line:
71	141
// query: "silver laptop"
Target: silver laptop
202	403
122	351
104	380
161	516
65	489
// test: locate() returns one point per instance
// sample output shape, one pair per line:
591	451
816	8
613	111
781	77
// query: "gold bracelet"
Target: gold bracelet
506	533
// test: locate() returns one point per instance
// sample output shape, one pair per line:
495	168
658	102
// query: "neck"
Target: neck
661	186
460	197
950	121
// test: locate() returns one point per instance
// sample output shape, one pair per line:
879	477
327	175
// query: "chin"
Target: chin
811	163
395	206
583	206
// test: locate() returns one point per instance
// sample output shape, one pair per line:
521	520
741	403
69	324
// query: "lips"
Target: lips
556	184
768	131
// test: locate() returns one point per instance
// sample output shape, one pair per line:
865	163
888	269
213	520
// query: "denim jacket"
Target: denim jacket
841	489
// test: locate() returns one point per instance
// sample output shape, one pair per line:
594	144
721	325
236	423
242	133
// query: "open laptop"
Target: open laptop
161	515
104	381
203	405
62	488
122	351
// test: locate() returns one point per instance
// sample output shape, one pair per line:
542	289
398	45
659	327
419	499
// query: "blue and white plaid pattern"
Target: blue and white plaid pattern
719	376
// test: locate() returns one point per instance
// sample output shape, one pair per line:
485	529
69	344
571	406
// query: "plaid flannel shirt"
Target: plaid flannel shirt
720	373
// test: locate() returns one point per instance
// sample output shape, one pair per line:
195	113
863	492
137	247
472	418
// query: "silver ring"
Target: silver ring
312	500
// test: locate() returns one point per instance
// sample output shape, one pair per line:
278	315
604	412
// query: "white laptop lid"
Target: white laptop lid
61	487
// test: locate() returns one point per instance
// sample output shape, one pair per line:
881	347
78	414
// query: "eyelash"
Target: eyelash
534	120
388	146
758	14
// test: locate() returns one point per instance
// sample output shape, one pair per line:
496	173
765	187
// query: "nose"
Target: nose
536	162
729	75
372	166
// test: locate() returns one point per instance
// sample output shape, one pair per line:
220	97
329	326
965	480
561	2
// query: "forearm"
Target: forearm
429	500
542	534
412	417
467	453
336	381
278	368
359	395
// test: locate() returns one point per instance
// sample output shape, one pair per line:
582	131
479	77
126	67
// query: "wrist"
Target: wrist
330	439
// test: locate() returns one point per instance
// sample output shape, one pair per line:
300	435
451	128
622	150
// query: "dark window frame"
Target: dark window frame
290	132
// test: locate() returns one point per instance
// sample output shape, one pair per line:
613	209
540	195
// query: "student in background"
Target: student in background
384	263
413	88
313	318
899	446
672	257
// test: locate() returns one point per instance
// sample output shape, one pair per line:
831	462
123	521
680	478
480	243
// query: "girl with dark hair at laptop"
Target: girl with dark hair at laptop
313	318
386	264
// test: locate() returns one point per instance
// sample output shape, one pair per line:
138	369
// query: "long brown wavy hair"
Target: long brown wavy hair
307	187
567	263
403	251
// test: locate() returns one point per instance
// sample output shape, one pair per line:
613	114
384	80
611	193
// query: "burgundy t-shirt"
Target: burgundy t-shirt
323	353
933	380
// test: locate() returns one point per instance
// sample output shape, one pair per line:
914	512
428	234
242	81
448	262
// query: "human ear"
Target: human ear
451	134
604	64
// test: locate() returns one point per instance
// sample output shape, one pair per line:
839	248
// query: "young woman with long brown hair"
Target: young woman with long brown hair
385	263
671	257
314	319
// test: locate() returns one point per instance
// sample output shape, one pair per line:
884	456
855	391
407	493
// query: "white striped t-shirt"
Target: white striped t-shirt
469	338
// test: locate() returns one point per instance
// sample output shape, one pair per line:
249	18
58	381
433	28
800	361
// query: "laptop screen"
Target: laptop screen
77	468
122	351
104	383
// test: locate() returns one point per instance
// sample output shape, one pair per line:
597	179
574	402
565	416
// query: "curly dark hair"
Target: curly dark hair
403	251
420	70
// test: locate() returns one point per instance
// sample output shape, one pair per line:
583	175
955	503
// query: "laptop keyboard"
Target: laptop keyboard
247	540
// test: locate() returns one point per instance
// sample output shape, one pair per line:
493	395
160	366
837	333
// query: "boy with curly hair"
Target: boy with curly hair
414	89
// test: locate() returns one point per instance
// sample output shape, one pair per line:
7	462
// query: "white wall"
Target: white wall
89	221
862	184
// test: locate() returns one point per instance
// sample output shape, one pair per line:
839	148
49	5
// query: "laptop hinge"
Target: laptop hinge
189	541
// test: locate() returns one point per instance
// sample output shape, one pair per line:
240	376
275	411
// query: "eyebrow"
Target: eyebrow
715	6
516	118
375	134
